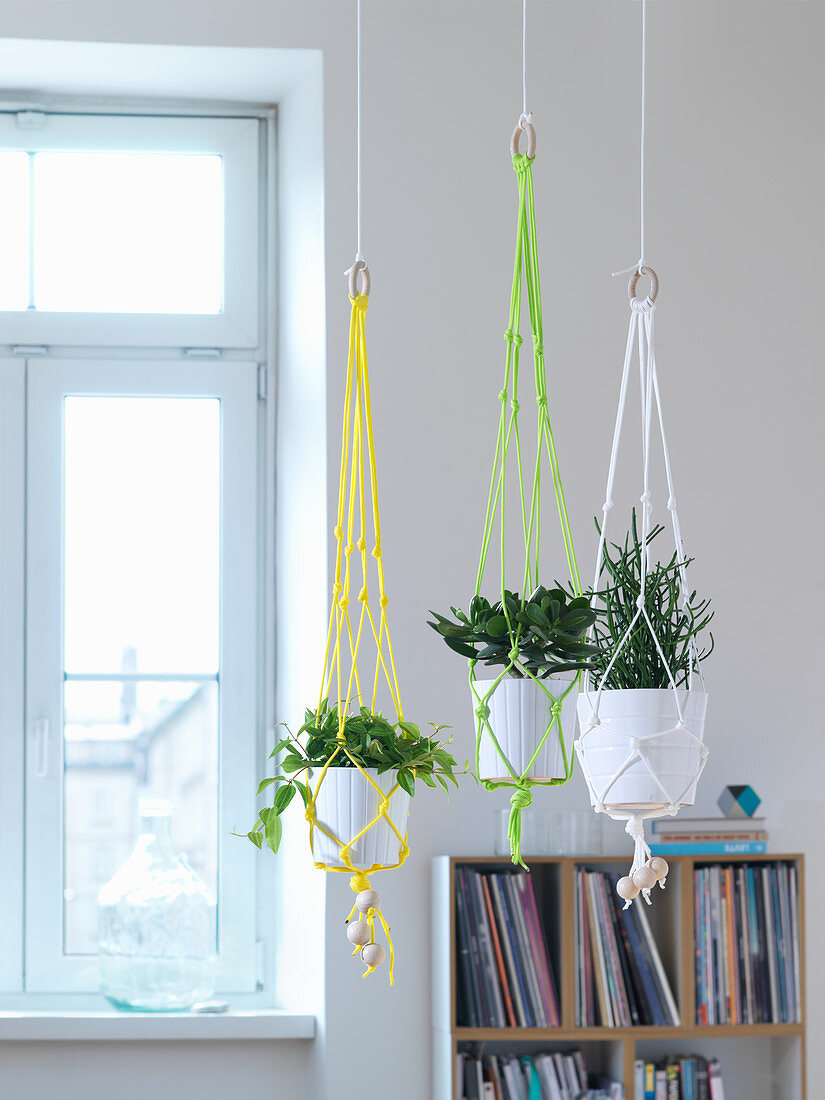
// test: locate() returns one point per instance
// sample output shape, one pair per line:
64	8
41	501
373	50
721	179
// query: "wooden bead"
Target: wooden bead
645	878
373	954
626	888
366	900
358	932
659	867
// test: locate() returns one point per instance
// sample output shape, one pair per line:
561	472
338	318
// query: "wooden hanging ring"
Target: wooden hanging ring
633	282
352	279
529	129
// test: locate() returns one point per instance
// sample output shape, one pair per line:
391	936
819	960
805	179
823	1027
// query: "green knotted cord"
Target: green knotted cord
526	262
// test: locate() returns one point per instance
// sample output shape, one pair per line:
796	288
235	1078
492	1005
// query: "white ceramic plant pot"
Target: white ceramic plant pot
346	803
639	712
519	715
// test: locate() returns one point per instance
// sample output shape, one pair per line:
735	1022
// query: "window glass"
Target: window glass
140	705
130	232
142	513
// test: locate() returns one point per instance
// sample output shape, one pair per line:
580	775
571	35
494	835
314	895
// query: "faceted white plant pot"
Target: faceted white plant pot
346	804
519	715
636	713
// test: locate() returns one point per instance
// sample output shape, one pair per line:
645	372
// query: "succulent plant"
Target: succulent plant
547	629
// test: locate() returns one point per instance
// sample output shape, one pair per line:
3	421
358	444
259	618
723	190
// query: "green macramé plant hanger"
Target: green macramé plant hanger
528	639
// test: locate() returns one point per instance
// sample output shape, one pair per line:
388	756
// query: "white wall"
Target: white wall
736	173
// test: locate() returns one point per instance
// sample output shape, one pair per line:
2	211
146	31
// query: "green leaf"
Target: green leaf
256	838
537	616
460	647
279	748
273	830
302	790
411	729
293	764
497	626
268	783
283	797
406	781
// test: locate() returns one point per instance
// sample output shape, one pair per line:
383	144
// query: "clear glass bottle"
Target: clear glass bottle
157	924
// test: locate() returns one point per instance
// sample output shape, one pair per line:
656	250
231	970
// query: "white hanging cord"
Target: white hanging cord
642	139
641	261
358	255
526	117
360	264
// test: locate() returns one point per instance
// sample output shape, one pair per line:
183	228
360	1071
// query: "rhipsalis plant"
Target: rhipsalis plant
677	622
369	739
548	629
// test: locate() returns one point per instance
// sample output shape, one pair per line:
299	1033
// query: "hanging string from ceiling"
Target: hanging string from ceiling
641	262
526	117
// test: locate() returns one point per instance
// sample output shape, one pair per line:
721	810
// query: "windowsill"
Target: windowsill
108	1024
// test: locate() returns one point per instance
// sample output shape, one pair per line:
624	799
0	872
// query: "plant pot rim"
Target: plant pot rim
646	691
348	768
564	677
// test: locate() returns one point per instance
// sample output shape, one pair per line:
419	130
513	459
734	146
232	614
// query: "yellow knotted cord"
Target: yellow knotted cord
344	639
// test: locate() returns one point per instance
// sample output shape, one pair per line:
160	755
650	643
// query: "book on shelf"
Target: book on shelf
677	1078
746	944
561	1075
708	848
717	1091
619	977
505	976
707	825
717	836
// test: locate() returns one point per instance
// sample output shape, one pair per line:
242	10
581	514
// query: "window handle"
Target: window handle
41	748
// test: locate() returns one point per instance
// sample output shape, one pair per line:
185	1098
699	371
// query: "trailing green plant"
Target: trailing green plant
369	738
677	622
547	628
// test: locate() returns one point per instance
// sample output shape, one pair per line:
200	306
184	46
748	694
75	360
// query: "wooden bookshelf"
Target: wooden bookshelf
760	1061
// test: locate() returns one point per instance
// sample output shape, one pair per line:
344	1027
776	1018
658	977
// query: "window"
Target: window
140	586
108	220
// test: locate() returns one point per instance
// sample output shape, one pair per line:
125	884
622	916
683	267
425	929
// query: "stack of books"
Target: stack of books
746	919
561	1076
504	970
676	1078
620	980
679	836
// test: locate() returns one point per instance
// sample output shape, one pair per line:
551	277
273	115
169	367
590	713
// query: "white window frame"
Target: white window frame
12	591
166	350
238	142
235	384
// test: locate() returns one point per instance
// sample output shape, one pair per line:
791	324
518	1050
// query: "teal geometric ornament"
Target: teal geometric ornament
738	801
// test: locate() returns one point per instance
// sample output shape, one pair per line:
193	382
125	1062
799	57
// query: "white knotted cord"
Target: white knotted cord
640	338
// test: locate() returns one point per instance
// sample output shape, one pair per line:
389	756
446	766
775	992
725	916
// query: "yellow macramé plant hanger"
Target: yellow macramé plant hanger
358	853
358	801
354	768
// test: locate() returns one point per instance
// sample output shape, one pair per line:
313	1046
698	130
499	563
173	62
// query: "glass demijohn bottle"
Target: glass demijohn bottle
157	924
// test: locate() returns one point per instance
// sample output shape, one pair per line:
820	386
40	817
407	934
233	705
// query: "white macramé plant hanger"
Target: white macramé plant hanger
642	750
